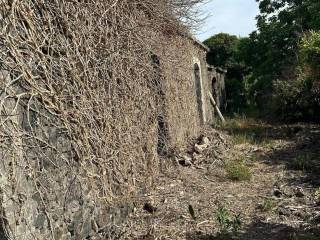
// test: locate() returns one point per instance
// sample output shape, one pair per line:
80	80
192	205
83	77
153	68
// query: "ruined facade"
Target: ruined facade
216	77
87	105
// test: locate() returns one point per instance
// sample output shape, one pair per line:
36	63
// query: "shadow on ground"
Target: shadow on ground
303	154
263	231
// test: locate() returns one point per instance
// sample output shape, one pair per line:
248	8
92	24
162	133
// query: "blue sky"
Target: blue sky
236	17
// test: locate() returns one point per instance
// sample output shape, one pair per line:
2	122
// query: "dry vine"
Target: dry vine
78	105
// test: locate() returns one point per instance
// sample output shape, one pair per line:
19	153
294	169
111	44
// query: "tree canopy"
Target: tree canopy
280	56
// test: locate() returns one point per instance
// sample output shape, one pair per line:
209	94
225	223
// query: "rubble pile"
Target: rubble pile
209	148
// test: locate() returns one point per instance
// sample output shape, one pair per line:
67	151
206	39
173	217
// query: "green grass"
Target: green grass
246	130
302	162
242	138
227	222
238	171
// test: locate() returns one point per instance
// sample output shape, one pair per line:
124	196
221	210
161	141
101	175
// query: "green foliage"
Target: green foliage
242	138
226	222
238	171
277	68
274	50
246	130
298	98
305	162
310	49
222	50
225	52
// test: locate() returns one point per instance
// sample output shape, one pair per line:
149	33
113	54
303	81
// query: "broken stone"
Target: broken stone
284	211
299	192
200	148
205	141
277	192
186	158
186	161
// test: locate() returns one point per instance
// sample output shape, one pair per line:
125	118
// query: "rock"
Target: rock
205	141
186	161
283	218
277	192
200	148
299	192
187	158
284	211
204	144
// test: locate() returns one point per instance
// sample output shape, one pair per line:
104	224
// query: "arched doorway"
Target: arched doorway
214	86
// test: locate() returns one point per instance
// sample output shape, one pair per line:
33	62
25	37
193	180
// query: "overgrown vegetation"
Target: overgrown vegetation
238	171
246	130
228	223
79	100
275	71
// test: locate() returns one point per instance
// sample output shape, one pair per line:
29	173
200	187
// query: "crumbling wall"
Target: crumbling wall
216	79
179	58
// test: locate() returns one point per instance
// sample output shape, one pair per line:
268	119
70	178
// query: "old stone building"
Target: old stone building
86	109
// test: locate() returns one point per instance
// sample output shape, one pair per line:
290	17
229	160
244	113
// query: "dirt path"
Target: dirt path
279	200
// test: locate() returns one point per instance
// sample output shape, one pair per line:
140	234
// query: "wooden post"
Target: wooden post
217	108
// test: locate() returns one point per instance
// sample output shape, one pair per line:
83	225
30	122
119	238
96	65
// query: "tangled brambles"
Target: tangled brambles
78	110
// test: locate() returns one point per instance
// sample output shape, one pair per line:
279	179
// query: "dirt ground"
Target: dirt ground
198	200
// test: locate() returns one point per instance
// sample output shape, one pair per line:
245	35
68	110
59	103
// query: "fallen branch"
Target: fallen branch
217	108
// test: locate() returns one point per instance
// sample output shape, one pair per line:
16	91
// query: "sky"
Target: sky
235	17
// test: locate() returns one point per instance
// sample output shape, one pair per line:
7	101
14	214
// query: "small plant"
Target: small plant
242	138
226	222
267	205
238	171
302	162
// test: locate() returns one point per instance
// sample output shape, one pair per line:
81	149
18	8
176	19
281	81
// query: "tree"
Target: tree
225	52
272	50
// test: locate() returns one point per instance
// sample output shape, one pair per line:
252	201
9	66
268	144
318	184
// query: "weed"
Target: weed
238	171
246	130
226	222
242	138
302	162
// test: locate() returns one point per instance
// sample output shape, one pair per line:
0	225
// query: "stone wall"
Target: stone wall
181	106
71	165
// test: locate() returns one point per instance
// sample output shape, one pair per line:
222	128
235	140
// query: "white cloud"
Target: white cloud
235	17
